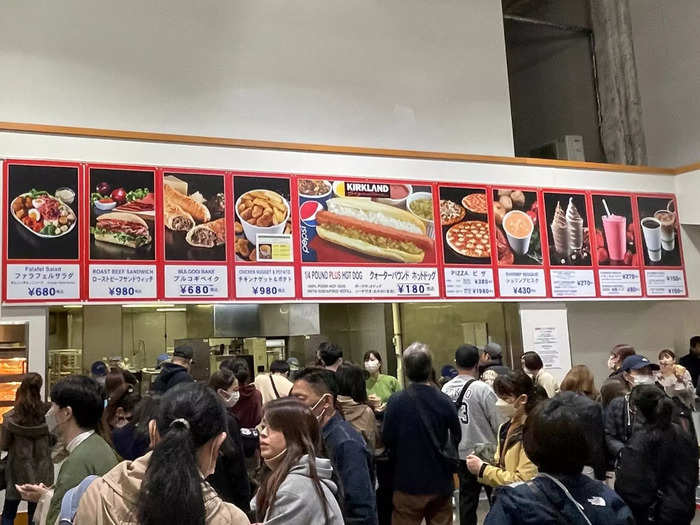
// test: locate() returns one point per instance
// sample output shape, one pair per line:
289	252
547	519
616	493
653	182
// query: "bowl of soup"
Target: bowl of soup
518	227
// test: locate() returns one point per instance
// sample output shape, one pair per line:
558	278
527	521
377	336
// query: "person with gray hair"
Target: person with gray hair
417	424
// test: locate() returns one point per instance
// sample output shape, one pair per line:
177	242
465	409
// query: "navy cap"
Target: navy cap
635	362
449	371
183	351
98	369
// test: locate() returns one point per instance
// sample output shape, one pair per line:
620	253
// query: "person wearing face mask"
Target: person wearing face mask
518	396
657	471
318	390
230	479
616	385
675	378
175	371
296	487
380	387
248	408
167	486
534	367
276	384
620	422
74	416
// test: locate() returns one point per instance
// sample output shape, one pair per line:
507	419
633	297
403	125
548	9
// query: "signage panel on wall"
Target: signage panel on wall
92	232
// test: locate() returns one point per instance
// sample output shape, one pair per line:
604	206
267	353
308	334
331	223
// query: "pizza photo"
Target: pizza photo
476	203
470	238
451	212
464	223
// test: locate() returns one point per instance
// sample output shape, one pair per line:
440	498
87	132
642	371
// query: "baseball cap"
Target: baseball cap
184	351
493	349
293	363
635	362
448	371
98	369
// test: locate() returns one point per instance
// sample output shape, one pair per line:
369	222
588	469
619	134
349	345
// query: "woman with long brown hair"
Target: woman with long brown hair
580	379
296	488
25	435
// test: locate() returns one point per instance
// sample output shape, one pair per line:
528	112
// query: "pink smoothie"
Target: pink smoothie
615	227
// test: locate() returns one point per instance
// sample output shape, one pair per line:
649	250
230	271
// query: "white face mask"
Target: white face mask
505	410
319	417
230	399
642	380
52	421
372	366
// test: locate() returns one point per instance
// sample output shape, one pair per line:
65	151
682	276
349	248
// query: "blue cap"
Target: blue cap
448	371
161	359
635	362
98	369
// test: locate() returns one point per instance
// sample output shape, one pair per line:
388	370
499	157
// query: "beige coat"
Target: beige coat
362	419
264	386
111	499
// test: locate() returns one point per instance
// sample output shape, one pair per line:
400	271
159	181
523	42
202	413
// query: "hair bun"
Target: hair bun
180	422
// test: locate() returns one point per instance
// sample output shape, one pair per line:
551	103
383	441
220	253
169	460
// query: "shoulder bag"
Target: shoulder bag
448	451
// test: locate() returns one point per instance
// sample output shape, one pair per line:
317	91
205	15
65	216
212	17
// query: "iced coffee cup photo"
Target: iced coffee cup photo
518	227
651	228
659	221
667	220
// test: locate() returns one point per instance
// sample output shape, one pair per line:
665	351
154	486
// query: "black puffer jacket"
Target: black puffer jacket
170	375
657	475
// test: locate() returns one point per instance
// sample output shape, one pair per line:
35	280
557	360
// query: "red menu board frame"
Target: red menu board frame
342	261
46	298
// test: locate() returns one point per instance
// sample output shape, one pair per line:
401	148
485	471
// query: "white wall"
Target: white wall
667	50
392	73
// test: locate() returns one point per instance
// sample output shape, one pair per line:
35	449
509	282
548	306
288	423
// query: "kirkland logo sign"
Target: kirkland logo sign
367	189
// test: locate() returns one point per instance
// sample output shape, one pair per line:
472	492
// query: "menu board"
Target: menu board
466	241
41	252
113	233
374	225
122	233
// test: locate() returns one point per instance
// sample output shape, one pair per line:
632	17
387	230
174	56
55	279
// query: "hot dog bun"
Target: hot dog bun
121	216
376	213
372	239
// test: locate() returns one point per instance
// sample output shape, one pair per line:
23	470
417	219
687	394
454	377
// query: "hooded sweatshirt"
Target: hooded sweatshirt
29	455
543	502
362	419
296	501
111	499
248	410
170	375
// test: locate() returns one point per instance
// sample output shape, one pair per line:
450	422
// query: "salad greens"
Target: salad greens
137	194
123	237
34	193
95	197
49	229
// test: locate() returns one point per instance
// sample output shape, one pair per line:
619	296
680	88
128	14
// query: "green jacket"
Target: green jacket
92	456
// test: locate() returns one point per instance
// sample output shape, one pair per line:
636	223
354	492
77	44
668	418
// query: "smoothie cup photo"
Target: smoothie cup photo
615	228
667	220
518	227
651	228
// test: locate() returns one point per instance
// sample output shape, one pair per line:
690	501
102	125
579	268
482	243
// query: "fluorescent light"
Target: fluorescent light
155	305
72	306
171	309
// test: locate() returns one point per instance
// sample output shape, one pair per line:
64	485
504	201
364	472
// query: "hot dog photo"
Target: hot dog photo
358	221
263	219
43	212
122	214
194	217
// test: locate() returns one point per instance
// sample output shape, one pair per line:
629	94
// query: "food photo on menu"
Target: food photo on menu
567	229
43	206
614	230
465	225
516	214
194	217
366	222
659	225
263	225
122	214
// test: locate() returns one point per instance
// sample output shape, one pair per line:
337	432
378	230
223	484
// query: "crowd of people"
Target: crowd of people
341	443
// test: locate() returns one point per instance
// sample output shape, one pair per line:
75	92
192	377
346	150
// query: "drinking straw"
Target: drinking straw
606	208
